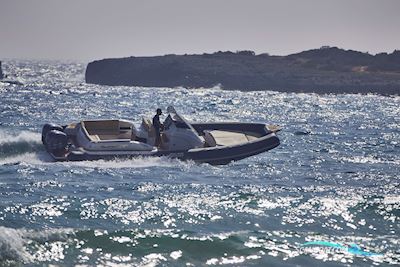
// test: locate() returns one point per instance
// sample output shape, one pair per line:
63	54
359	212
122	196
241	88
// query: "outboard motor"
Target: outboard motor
47	128
56	141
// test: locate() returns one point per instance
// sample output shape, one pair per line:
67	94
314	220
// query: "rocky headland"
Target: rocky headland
323	70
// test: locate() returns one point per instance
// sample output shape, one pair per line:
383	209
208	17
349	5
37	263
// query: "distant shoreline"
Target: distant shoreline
324	70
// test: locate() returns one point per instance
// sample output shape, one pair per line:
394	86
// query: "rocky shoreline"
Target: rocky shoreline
324	70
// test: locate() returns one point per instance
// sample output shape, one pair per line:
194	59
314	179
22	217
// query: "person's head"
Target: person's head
159	112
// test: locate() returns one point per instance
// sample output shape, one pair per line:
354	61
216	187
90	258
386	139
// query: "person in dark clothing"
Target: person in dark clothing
157	127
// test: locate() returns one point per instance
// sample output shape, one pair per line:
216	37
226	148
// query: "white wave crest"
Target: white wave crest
12	246
24	136
42	158
139	162
48	235
13	242
27	158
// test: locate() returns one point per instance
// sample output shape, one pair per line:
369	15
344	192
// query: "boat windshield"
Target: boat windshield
177	120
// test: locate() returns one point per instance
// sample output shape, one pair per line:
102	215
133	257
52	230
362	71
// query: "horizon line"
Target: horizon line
192	54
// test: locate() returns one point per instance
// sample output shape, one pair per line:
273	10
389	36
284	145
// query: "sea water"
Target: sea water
334	179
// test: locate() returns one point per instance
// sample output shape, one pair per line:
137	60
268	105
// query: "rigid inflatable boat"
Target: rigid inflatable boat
214	143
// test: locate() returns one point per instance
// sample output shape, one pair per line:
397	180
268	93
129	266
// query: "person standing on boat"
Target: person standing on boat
157	127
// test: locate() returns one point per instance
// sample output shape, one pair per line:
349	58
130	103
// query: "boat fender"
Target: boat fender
56	140
47	128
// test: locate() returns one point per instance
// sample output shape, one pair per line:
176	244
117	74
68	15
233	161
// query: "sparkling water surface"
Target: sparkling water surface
335	177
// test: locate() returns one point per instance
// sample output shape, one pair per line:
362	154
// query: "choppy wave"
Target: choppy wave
141	247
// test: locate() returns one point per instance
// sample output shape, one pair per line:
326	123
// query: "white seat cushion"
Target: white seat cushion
224	138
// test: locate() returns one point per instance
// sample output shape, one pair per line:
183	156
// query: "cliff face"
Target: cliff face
1	72
322	70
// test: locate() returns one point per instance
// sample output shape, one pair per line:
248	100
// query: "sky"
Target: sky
95	29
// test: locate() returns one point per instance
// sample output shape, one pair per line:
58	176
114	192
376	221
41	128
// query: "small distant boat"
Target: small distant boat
216	143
